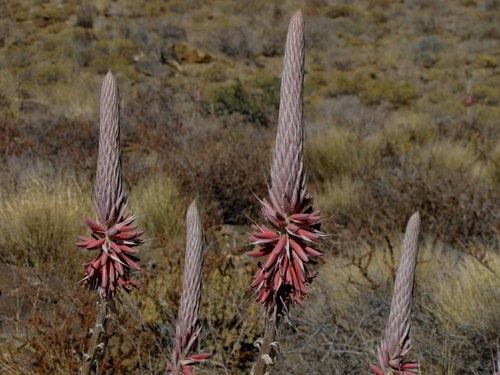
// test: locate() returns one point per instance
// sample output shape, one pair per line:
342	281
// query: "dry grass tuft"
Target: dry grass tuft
158	203
43	218
472	303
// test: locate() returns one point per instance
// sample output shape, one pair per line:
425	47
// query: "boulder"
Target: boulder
187	53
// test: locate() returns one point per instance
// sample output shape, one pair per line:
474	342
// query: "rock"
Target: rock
185	52
152	69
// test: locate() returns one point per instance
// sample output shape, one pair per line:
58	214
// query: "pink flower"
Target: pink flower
113	236
283	276
113	265
289	244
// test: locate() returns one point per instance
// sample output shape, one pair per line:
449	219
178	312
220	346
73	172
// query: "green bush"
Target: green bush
426	50
255	106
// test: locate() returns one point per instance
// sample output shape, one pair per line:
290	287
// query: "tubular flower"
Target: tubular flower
283	276
288	245
112	266
113	235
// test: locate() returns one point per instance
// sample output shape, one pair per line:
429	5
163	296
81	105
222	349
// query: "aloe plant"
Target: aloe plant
188	325
113	235
294	226
396	344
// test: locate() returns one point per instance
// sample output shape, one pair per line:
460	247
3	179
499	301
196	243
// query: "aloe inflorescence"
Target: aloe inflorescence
396	344
113	235
294	225
188	326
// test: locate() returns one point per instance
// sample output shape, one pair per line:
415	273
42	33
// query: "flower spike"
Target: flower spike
397	340
112	234
289	240
188	326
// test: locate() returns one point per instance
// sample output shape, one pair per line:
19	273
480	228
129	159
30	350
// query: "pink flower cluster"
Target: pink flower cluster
398	366
283	276
113	265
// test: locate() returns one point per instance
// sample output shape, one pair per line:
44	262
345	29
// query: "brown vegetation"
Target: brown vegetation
387	134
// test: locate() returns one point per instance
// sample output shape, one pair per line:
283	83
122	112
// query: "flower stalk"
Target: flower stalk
288	241
112	235
188	325
397	339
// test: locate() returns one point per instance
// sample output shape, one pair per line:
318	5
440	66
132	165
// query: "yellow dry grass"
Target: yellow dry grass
42	221
461	290
159	206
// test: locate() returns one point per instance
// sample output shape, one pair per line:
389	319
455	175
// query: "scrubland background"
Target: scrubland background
387	135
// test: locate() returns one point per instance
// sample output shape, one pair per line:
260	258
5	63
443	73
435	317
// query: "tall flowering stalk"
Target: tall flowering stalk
113	235
397	340
188	325
288	241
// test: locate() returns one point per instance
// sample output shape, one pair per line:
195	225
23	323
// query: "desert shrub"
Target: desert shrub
224	187
348	83
49	74
256	107
377	90
490	170
449	157
426	50
12	131
216	73
407	132
339	194
340	10
454	206
486	61
464	299
50	138
234	44
85	16
339	331
51	335
492	4
373	90
473	302
232	316
350	113
486	95
151	117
